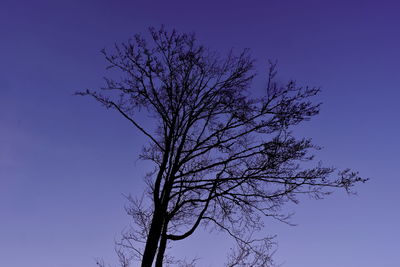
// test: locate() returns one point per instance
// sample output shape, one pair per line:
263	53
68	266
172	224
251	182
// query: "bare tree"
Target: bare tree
222	157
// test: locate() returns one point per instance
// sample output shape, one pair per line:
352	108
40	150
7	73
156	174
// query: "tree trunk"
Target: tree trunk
152	239
158	229
162	247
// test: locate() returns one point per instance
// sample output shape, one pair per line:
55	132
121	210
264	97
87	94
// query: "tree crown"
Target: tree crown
222	157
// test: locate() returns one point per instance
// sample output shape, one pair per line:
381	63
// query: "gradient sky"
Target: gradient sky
65	161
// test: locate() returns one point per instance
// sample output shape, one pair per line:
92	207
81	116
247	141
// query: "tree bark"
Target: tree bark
162	247
152	239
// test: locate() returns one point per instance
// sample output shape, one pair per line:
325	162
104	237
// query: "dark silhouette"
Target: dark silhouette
222	158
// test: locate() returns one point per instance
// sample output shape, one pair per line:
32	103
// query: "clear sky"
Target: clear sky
65	161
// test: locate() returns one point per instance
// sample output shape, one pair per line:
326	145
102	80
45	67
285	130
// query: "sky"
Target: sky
66	162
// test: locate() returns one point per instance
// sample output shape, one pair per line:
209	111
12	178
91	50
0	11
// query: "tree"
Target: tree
222	157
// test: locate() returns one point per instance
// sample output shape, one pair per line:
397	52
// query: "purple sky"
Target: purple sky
65	161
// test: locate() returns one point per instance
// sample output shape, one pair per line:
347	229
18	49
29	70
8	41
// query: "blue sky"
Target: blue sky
65	161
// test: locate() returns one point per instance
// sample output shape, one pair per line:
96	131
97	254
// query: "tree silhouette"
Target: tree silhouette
222	157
